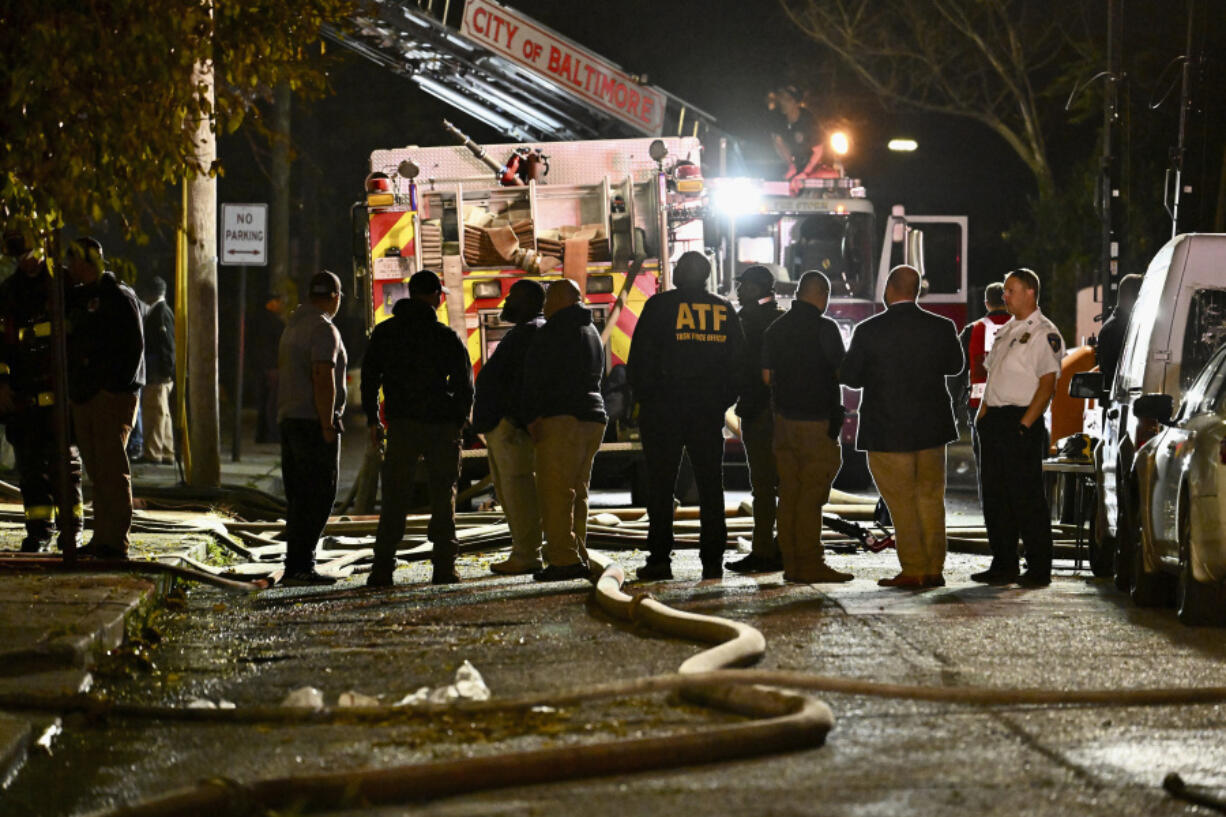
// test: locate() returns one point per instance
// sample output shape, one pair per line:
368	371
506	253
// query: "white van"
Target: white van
1178	322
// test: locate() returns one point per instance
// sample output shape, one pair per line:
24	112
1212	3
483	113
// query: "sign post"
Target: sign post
244	241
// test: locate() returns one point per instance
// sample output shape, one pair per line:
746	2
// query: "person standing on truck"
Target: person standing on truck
566	417
685	367
106	369
977	339
1022	370
1111	336
899	359
759	310
427	382
496	415
801	353
310	403
802	143
27	400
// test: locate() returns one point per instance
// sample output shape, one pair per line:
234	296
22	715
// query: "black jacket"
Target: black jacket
755	395
106	341
501	380
421	365
900	359
563	368
159	343
803	350
687	349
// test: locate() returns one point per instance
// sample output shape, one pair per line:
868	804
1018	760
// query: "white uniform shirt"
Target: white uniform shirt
1023	351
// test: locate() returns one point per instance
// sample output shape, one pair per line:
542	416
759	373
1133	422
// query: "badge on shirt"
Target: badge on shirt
1025	337
1053	340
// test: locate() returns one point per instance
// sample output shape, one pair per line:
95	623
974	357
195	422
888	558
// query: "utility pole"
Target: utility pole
1179	152
205	468
1110	206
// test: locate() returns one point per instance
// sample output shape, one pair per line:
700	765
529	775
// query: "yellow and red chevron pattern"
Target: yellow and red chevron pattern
395	229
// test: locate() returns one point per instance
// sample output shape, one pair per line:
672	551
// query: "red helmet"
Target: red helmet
377	182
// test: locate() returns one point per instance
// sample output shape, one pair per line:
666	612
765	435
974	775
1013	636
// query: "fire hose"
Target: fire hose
785	721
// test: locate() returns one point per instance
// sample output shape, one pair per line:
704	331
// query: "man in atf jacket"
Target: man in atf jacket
900	359
427	383
566	417
686	367
496	415
106	370
27	400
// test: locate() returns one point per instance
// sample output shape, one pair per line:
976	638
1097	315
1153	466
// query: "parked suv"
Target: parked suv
1177	323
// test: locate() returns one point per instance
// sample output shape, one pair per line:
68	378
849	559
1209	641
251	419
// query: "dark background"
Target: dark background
723	57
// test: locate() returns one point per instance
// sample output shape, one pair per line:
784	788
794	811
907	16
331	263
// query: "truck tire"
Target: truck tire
854	475
1196	603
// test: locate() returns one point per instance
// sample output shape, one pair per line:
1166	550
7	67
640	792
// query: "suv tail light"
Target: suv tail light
1146	429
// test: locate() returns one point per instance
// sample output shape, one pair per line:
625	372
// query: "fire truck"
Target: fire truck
610	213
485	216
830	225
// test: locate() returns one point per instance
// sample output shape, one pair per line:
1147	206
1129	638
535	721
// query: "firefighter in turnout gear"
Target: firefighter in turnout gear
685	366
27	398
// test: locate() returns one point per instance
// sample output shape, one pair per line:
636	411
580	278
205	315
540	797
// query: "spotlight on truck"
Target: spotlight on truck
737	197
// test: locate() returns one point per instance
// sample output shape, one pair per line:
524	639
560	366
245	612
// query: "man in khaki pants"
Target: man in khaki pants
106	369
566	417
900	359
801	352
496	415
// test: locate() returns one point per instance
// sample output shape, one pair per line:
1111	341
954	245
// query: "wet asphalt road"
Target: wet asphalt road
884	757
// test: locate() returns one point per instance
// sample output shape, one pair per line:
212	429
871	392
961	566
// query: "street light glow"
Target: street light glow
840	143
903	145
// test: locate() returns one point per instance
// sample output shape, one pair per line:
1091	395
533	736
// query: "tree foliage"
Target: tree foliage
998	62
98	98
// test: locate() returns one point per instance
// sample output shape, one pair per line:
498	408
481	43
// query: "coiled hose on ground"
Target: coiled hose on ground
784	721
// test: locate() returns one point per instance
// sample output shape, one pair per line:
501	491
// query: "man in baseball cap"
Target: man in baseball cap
324	284
310	402
427	381
426	282
756	293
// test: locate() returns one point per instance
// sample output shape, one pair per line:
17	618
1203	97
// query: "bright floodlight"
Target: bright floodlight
902	145
736	197
840	143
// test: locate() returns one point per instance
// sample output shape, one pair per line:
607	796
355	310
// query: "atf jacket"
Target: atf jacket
688	349
900	359
755	395
501	380
563	369
26	361
421	365
106	341
159	343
